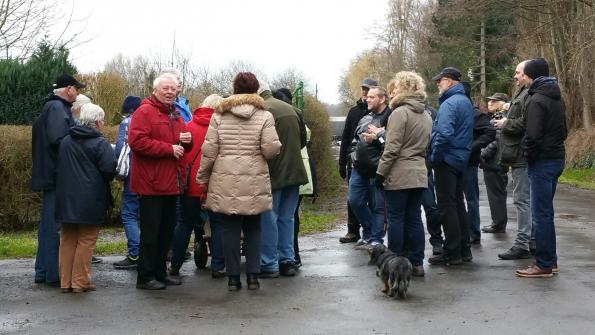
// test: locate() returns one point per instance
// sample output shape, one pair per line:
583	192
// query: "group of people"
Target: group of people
399	155
237	162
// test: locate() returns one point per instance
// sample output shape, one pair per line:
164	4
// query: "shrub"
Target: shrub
580	149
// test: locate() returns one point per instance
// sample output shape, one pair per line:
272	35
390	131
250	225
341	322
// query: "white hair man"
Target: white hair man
49	129
181	103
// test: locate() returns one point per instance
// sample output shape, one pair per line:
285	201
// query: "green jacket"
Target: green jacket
510	150
287	169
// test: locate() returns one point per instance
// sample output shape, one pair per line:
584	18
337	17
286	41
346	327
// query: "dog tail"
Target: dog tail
402	288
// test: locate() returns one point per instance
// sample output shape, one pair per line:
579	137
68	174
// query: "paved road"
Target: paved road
334	293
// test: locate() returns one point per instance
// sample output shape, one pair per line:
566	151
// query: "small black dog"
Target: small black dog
393	270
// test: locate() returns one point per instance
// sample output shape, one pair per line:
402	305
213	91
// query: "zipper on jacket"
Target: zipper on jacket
171	128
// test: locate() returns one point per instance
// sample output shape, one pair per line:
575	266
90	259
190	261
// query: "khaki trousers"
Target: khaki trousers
77	242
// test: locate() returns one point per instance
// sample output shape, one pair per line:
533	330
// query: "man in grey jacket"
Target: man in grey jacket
511	154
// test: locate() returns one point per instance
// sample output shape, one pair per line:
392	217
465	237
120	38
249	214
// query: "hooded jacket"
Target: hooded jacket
198	128
546	121
353	116
452	132
49	129
86	166
510	151
240	139
407	136
154	128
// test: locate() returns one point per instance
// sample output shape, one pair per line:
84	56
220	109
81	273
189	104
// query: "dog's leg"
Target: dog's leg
385	289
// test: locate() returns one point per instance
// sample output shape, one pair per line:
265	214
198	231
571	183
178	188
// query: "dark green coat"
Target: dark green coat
510	150
287	169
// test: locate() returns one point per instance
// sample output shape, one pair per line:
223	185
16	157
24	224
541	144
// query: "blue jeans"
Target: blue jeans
277	229
471	191
367	203
543	179
48	241
193	219
216	246
405	227
428	201
129	218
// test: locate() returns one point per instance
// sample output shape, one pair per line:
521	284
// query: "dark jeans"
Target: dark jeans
233	225
405	227
129	218
353	225
157	222
216	246
48	241
543	179
428	201
471	192
296	230
496	183
449	193
193	219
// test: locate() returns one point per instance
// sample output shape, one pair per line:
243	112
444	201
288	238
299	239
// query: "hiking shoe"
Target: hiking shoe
151	285
287	269
349	238
174	270
475	240
437	250
418	271
466	255
515	253
444	259
127	263
268	274
360	244
555	269
534	271
218	274
493	229
96	260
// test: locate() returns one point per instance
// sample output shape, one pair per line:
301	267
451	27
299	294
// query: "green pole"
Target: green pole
298	95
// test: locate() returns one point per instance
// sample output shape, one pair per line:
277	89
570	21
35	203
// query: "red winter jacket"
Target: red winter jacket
198	128
154	128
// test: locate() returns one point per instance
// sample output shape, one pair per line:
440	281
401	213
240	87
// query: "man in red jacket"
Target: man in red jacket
157	138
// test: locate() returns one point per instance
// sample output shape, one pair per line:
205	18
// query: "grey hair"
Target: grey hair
381	90
163	77
59	90
91	113
172	71
81	100
263	86
211	101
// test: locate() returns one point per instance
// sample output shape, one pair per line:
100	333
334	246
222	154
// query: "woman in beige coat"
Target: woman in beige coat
402	169
235	175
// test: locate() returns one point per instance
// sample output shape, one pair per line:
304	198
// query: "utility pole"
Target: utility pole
173	50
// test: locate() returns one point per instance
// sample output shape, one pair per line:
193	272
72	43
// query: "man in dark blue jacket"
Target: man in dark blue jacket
49	129
450	147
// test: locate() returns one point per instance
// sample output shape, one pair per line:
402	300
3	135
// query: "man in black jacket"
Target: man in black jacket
49	129
353	116
544	146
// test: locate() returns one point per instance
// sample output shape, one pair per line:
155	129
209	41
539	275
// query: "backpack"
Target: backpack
123	166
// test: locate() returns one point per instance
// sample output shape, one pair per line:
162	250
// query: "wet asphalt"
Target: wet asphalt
335	292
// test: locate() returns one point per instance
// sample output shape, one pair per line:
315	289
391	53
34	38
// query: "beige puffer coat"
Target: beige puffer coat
407	136
240	138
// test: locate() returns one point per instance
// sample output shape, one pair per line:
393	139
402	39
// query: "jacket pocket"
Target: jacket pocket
510	152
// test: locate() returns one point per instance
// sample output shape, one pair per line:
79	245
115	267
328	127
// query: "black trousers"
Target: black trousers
233	225
157	222
296	230
496	183
353	225
451	204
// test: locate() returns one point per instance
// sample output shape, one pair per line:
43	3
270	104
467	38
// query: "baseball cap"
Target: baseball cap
448	72
369	83
498	97
66	80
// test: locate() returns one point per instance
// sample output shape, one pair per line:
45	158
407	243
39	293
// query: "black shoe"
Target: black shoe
437	250
170	281
96	260
252	280
349	238
39	280
493	229
298	264
127	263
475	240
287	269
532	251
444	259
151	285
53	283
515	253
268	274
234	283
466	255
218	274
174	270
187	256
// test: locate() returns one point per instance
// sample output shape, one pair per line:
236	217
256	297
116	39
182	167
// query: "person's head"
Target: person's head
496	102
447	78
67	87
408	83
376	99
536	68
245	83
390	88
263	86
520	78
165	88
130	104
176	74
365	87
211	101
80	100
283	94
91	116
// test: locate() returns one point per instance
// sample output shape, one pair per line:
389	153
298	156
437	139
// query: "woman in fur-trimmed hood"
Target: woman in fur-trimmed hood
233	169
402	168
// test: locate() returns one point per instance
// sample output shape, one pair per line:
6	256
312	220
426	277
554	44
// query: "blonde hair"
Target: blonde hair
391	86
211	101
409	83
91	113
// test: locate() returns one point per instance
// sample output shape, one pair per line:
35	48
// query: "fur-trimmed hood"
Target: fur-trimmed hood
415	101
241	105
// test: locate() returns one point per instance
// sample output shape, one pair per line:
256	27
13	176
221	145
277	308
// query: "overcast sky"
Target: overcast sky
317	37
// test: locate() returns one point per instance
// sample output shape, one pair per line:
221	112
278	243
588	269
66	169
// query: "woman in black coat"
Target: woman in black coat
86	165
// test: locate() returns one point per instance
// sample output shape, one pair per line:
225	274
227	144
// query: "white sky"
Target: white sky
325	35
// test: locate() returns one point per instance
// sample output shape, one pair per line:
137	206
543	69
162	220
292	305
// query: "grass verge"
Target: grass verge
583	178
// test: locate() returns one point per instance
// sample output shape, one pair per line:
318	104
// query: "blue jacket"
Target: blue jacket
182	106
452	132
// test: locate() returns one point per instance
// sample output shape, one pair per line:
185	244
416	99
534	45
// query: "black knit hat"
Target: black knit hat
536	68
130	104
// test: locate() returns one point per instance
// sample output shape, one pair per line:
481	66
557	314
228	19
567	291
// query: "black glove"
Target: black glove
379	180
343	171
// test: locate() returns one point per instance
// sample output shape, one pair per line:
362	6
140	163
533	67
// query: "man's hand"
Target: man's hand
185	137
343	171
498	124
372	129
178	151
369	137
379	180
